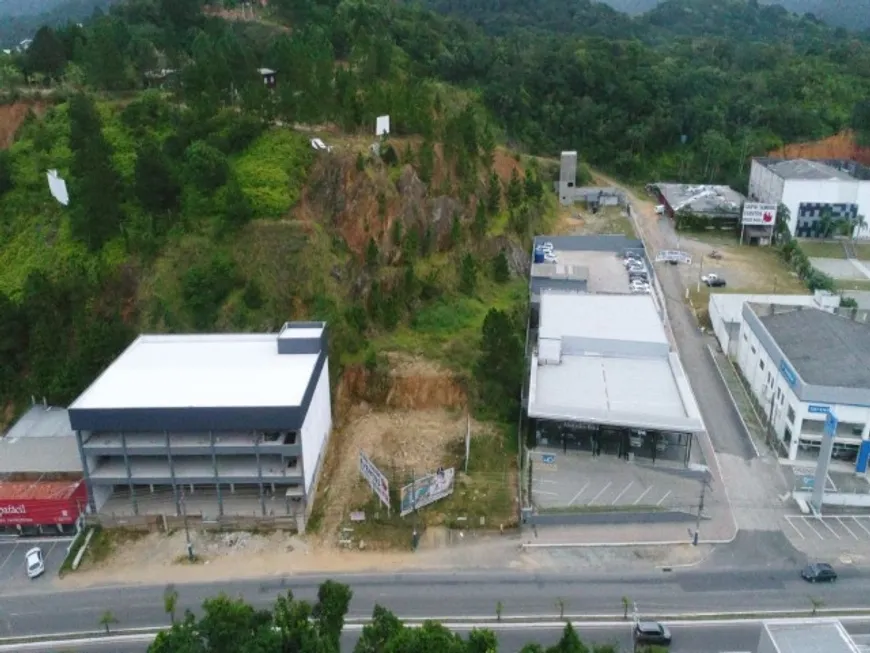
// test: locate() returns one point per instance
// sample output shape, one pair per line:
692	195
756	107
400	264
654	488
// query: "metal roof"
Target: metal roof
51	490
823	348
729	306
631	318
201	371
702	199
810	636
805	169
40	442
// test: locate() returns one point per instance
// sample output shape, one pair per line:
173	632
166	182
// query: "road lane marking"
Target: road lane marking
577	496
666	495
848	530
806	521
825	524
551	494
11	553
544	480
788	519
600	492
643	494
855	519
624	490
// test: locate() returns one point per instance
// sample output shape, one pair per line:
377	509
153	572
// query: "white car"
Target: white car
550	257
546	247
707	278
35	563
660	209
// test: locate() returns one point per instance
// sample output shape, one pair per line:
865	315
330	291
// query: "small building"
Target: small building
42	490
720	206
603	376
269	77
726	312
211	425
802	363
817	635
810	188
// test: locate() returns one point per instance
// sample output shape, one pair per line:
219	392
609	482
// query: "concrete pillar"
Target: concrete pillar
217	480
86	472
865	432
129	474
172	474
795	439
260	476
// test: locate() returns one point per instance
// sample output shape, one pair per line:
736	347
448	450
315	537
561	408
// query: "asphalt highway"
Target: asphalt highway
709	637
448	596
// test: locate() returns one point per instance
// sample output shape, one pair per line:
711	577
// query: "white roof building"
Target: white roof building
605	359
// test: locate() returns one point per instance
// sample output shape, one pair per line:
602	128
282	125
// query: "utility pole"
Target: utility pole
704	486
186	528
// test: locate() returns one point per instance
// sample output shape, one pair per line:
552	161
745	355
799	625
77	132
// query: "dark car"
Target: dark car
652	632
819	572
716	283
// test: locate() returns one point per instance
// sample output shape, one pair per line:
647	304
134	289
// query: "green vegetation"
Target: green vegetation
815	249
229	625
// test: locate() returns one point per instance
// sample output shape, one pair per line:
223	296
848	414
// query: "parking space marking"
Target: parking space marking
848	530
821	537
835	533
660	501
643	494
624	490
551	494
600	492
796	529
544	480
577	496
855	519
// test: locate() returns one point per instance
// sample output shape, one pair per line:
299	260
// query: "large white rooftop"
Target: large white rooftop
201	371
629	318
808	636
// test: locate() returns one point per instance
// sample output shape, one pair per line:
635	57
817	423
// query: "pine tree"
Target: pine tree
46	54
480	224
372	254
500	271
515	190
427	162
154	183
493	200
455	231
467	275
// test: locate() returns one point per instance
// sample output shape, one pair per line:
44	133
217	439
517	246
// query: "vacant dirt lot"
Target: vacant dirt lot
579	220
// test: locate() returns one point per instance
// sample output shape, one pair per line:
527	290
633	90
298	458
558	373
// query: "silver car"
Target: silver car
34	562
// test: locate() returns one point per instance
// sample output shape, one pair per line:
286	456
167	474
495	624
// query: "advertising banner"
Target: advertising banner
758	214
426	490
376	480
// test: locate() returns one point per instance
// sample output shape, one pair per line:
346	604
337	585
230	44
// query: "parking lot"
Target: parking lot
580	480
12	574
847	529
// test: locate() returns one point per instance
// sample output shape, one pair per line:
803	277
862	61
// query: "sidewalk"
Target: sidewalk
713	531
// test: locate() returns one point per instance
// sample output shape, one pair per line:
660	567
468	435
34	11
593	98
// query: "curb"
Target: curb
603	545
733	402
610	619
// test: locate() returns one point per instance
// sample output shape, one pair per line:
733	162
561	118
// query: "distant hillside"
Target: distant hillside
19	19
852	14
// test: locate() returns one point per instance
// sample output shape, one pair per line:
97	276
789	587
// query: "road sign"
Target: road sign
673	255
548	458
376	480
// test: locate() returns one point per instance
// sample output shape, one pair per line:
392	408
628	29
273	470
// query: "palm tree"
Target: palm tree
826	224
859	223
170	602
107	619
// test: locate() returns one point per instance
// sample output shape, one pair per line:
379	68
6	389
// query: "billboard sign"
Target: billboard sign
819	409
375	478
758	214
426	490
788	373
39	511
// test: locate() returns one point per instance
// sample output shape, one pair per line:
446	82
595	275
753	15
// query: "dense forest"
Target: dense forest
194	207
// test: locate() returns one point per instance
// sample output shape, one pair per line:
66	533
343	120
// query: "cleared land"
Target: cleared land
579	220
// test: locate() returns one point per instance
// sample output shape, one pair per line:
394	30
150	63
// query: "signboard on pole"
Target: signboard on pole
673	255
376	480
426	490
824	461
467	441
759	214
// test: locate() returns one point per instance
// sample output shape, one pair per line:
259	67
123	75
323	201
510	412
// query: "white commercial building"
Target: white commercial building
802	363
807	187
233	423
726	312
603	364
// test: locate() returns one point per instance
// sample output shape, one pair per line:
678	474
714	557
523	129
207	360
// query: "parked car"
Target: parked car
718	282
660	209
652	632
34	562
545	247
635	438
639	277
709	277
819	572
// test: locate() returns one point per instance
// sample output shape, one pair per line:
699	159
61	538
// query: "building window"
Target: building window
791	414
760	363
745	338
857	431
753	349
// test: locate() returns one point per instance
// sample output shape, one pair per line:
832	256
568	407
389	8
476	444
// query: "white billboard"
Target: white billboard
426	490
382	126
758	214
376	480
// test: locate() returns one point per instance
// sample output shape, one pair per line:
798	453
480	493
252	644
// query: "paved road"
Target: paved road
694	638
450	595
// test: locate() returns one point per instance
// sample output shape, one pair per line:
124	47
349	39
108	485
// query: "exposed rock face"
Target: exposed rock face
518	258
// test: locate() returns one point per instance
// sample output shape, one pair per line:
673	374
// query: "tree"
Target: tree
427	161
827	224
372	254
46	54
333	600
170	602
499	367
479	226
206	166
569	642
493	198
95	187
515	190
500	270
468	275
455	230
6	181
108	619
154	181
237	208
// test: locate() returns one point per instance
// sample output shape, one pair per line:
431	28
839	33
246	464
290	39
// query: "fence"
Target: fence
168	523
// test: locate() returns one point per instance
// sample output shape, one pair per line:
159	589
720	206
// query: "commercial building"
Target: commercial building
726	312
217	425
603	377
821	635
809	188
719	204
41	488
802	363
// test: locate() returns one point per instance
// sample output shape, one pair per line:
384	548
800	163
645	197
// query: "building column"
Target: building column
172	474
865	432
86	473
260	476
129	474
217	480
795	439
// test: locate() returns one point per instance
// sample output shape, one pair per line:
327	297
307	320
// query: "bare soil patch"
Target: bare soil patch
579	220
